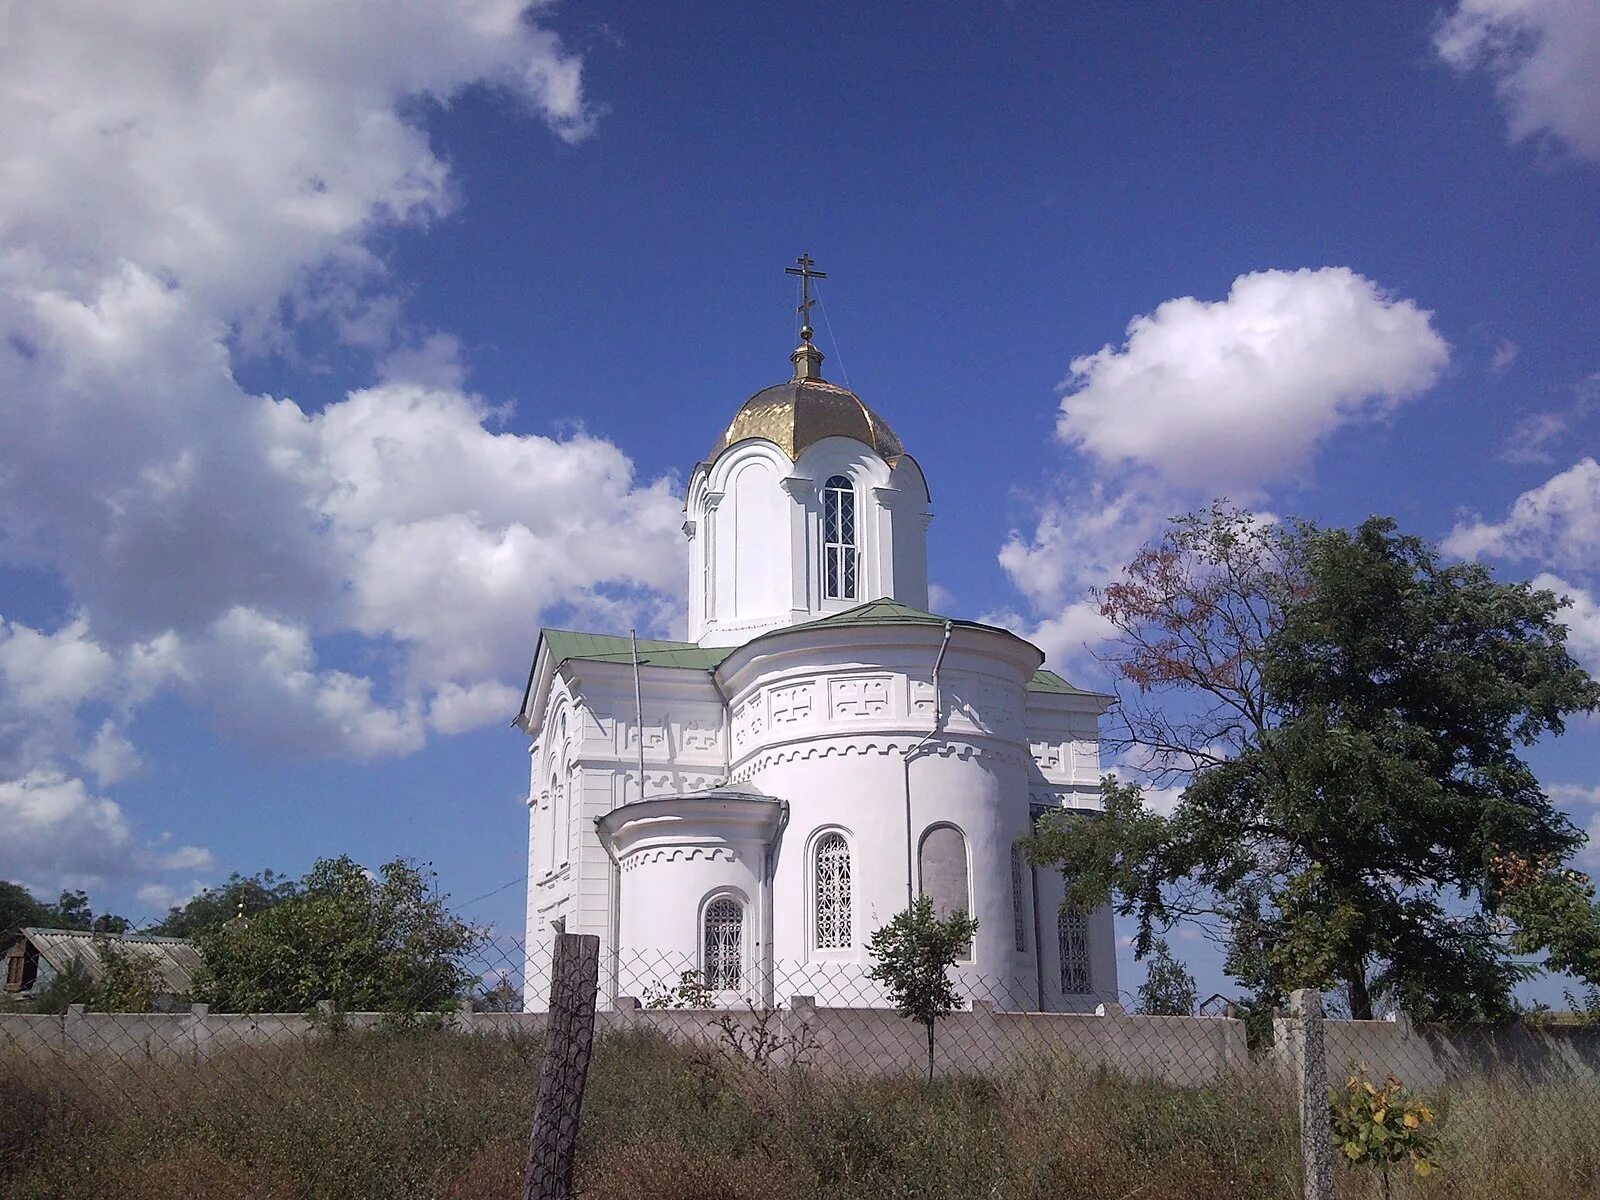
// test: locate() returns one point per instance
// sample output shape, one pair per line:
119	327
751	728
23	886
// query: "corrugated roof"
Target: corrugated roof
177	959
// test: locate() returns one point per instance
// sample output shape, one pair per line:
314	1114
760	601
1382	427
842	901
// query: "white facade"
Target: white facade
819	750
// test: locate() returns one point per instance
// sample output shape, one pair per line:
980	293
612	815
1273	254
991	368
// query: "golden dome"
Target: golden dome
804	411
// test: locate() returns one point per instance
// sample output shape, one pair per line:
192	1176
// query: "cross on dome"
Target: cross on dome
807	358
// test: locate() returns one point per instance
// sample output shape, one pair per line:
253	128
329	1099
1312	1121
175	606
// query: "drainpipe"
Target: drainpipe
614	925
938	720
769	870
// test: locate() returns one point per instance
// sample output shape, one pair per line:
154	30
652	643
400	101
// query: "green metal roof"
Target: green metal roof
567	644
1049	681
605	647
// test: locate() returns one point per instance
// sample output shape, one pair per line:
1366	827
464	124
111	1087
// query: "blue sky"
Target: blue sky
340	355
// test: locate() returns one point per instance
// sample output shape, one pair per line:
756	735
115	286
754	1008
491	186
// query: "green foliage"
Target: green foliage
242	895
20	910
1382	1127
1168	989
129	980
1373	703
912	956
691	991
367	944
66	988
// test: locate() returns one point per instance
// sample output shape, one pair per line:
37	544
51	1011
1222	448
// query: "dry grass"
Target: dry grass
441	1115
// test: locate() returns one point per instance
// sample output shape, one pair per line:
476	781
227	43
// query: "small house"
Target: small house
36	956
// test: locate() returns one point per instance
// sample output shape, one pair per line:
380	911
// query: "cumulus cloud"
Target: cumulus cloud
1556	524
1581	617
1242	390
182	184
1081	540
1544	58
59	833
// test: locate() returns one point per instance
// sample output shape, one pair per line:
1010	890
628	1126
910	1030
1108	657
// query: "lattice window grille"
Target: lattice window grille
1074	930
1018	928
833	892
724	945
839	538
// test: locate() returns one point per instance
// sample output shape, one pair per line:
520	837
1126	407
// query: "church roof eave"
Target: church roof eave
557	647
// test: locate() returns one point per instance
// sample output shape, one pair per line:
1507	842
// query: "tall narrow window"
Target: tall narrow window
839	539
1018	927
832	874
723	944
943	863
1074	930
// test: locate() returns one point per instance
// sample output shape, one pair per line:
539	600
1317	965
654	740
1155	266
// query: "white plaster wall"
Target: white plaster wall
826	725
755	526
664	890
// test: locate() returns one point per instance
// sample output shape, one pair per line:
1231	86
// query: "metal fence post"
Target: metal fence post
1308	1053
569	1037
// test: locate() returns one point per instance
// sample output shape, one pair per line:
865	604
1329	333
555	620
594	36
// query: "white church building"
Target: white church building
752	803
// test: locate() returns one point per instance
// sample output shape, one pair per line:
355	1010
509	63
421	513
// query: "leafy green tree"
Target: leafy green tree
18	909
386	943
129	981
242	895
912	956
1351	746
1168	989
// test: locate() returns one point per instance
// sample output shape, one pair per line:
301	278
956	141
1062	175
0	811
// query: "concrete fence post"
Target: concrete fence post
1308	1053
75	1027
198	1032
568	1041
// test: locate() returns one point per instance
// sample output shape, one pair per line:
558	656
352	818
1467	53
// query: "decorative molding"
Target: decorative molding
702	737
792	703
641	858
798	486
856	697
964	751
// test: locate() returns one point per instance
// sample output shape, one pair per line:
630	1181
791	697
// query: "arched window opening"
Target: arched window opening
831	871
839	539
722	944
1018	926
1073	928
943	867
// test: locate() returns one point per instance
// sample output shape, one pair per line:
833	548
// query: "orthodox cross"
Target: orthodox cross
806	276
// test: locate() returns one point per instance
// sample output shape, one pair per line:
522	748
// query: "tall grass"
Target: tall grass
446	1115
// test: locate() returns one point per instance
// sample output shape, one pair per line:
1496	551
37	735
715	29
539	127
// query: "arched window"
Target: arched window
1073	928
1018	925
722	944
831	873
839	539
943	868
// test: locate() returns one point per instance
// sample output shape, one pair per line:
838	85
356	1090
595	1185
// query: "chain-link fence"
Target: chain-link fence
801	1079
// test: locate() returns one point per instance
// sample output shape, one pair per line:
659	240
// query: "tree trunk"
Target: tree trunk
930	1051
1355	982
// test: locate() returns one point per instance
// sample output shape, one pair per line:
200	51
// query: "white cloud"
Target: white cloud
1556	524
1544	57
455	709
56	830
177	182
1505	353
1082	539
1581	617
1530	438
1241	391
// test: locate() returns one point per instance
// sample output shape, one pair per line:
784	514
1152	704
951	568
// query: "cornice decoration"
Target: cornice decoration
640	858
964	751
